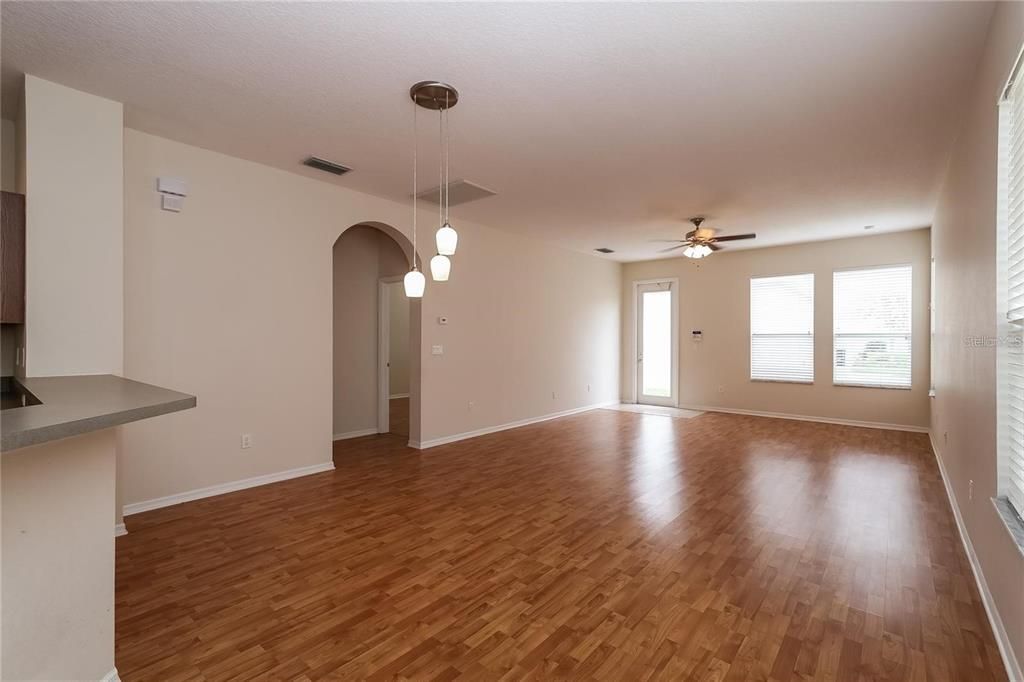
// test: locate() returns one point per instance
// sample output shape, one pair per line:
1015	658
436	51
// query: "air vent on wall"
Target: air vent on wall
605	249
459	192
328	166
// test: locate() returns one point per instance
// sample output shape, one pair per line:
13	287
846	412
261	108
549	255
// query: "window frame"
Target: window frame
909	335
751	334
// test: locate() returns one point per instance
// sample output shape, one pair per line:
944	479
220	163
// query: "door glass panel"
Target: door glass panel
657	344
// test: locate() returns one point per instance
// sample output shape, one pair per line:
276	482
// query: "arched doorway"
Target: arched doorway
376	335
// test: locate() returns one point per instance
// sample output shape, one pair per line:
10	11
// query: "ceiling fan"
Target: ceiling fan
701	242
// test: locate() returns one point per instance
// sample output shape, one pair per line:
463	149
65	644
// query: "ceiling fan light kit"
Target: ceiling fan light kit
701	243
439	97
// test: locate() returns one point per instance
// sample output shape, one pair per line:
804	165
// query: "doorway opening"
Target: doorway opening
657	342
376	336
392	357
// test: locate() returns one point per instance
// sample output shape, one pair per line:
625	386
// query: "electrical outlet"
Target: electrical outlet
721	389
970	489
246	441
470	405
553	396
945	437
588	388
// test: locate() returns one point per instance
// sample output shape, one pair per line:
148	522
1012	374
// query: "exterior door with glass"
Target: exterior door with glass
657	343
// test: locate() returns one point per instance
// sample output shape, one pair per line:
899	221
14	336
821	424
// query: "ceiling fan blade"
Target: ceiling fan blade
714	247
734	237
668	241
673	248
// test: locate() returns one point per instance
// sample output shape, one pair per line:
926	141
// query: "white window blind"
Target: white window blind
871	311
782	328
1010	356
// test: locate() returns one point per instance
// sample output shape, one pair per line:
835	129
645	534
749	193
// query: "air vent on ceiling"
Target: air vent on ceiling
324	165
459	192
605	249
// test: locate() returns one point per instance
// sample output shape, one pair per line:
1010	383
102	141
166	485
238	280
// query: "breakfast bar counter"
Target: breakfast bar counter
73	405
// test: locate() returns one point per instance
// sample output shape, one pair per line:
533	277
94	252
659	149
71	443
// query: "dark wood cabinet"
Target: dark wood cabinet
12	257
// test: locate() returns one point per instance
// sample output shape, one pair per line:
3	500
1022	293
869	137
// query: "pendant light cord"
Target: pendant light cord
440	167
447	158
415	147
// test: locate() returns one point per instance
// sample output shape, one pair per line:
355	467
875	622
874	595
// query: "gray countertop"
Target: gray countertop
79	404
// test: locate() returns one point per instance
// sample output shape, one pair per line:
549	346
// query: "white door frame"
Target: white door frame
635	375
384	353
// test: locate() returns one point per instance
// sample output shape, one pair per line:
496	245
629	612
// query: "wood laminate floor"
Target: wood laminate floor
606	545
398	417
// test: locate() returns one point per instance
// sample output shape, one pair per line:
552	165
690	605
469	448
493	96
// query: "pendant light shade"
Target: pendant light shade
415	282
689	251
447	240
440	267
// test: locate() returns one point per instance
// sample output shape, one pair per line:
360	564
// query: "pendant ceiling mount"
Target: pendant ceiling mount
434	95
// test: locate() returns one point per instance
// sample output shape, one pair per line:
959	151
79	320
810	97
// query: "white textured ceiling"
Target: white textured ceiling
597	124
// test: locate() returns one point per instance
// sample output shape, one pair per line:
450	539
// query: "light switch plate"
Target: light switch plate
172	202
437	350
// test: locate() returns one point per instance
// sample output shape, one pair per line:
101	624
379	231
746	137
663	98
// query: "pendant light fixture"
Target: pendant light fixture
441	265
414	280
439	97
447	239
440	268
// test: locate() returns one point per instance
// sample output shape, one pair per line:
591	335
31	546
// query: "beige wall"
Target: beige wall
244	275
964	412
59	499
714	297
58	559
398	339
362	255
74	231
8	156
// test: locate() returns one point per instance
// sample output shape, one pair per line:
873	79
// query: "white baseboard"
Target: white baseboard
434	442
112	676
1013	669
213	490
356	434
120	530
395	396
810	418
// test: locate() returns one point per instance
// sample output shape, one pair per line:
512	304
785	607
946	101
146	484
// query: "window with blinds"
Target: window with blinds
782	328
871	327
1010	291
